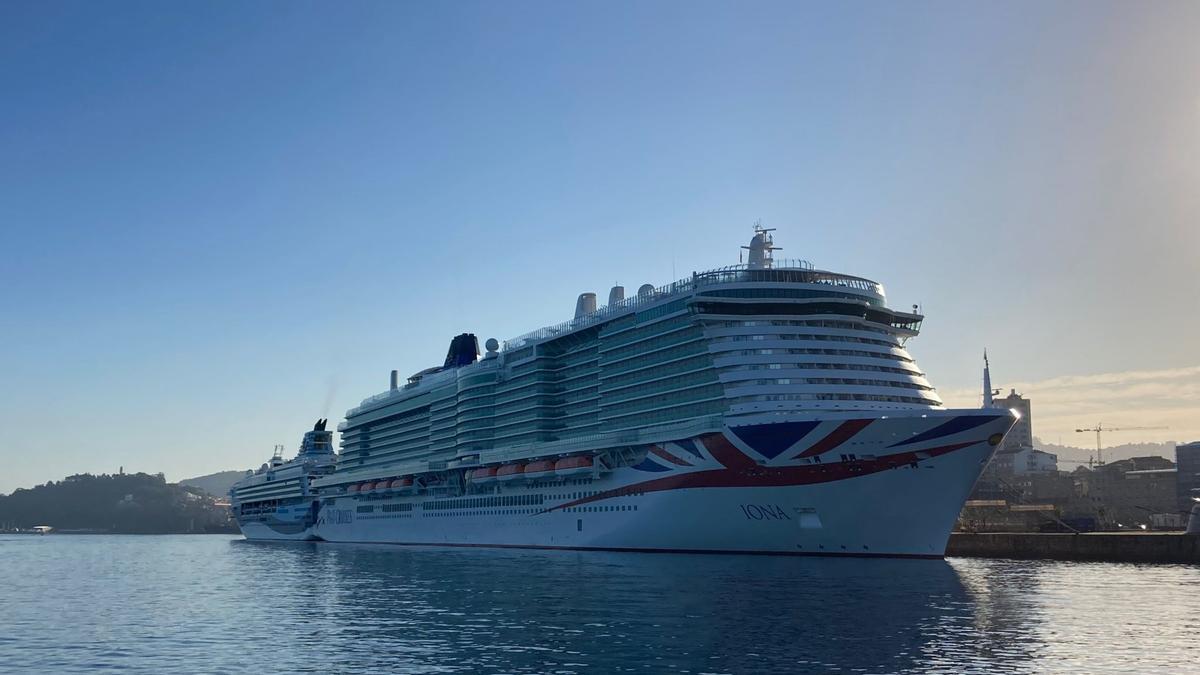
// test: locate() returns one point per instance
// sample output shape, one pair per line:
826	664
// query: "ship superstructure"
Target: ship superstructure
735	344
766	407
278	501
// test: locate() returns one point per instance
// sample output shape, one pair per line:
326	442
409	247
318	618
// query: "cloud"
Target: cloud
1142	398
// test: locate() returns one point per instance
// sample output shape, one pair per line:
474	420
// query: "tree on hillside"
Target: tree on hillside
127	503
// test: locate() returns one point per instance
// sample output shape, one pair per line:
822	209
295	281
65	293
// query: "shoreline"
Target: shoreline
1126	547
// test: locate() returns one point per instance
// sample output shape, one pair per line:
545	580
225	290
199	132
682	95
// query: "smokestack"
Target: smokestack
616	295
586	304
395	379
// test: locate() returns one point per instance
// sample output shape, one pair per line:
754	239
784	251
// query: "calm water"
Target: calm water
209	604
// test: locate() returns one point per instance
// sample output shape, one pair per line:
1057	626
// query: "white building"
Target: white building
1021	436
1017	455
1031	460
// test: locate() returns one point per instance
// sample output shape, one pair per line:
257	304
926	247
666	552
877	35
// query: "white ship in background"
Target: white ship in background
766	407
278	500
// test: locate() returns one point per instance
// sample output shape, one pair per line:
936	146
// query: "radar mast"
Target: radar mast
761	248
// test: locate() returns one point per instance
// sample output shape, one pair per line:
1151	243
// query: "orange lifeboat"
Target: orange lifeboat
510	472
352	488
383	486
366	487
483	476
579	465
542	468
402	485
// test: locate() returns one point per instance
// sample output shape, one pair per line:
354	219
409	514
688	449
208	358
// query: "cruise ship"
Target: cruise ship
765	407
279	501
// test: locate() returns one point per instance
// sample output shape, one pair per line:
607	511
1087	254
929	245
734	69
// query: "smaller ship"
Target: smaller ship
278	501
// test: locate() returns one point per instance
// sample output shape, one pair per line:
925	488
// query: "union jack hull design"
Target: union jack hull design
853	485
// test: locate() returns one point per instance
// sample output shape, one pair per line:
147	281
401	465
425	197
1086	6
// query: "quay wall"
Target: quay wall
1141	547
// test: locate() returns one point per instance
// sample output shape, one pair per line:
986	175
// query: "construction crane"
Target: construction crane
1100	427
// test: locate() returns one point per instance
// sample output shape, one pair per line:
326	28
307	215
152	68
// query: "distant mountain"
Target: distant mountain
1070	456
215	484
135	503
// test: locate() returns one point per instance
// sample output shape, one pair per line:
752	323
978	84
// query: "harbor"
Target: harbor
1120	547
537	338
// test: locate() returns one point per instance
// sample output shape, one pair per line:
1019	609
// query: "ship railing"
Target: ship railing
666	432
383	396
656	434
788	270
631	302
374	473
379	397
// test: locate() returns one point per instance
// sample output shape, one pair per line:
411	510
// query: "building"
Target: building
1021	435
1127	492
1016	456
1187	461
1018	476
1022	461
1029	460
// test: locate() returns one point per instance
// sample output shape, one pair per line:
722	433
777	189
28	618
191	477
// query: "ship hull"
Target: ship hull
854	485
292	522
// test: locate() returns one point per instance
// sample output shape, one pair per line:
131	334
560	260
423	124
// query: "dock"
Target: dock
1129	547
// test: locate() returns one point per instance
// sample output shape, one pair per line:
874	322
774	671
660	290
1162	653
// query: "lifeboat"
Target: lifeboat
366	487
542	468
382	486
402	485
483	476
580	465
352	488
510	472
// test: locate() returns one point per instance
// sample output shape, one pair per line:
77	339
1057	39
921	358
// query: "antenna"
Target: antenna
987	381
761	247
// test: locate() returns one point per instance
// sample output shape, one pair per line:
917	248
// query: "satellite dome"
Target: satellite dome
491	345
645	290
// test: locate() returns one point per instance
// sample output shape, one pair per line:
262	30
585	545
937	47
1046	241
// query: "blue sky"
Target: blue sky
222	220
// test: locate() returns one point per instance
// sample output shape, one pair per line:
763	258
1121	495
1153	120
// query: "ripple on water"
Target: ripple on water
209	604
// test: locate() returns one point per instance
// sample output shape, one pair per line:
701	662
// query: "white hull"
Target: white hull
883	486
261	532
287	523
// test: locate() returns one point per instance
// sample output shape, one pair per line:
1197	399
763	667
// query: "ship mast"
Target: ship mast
761	247
987	382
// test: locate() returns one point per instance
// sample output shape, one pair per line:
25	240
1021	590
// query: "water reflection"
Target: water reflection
76	604
478	610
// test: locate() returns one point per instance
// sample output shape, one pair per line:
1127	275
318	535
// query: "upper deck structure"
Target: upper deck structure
767	340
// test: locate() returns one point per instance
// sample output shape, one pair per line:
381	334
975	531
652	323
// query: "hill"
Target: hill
215	484
1070	457
125	503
